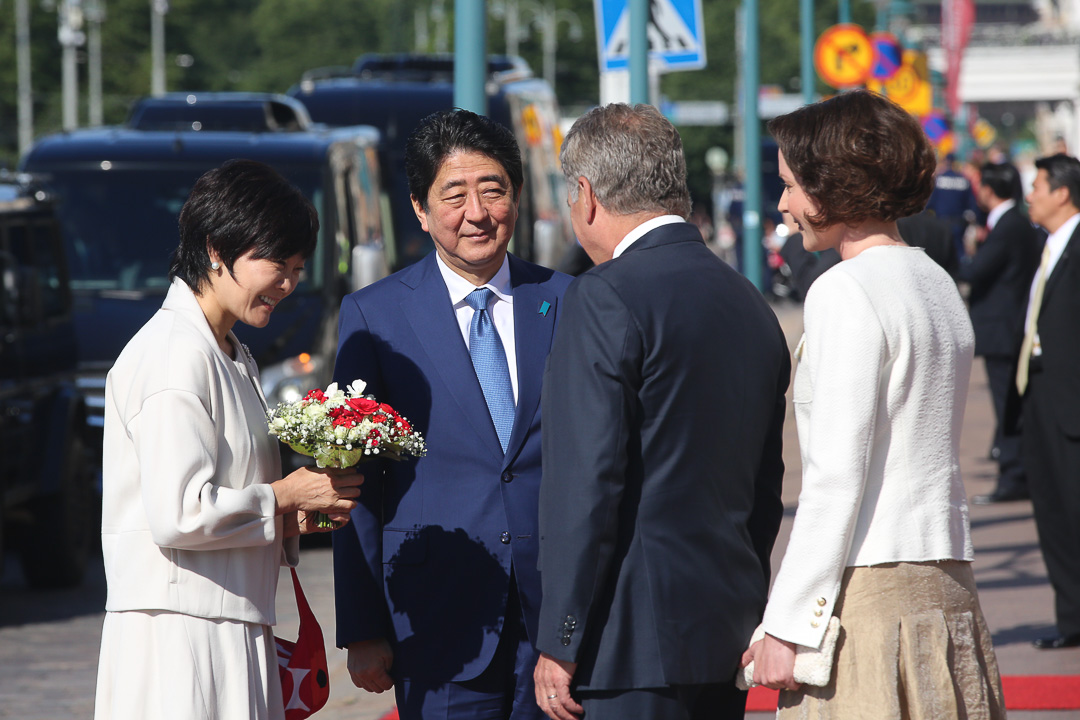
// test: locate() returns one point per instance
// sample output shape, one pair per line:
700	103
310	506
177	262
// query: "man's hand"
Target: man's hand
774	663
552	679
369	665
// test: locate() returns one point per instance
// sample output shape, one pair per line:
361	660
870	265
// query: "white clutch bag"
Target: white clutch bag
813	666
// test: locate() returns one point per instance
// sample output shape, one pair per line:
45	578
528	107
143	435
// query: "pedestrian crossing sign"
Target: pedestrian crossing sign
675	30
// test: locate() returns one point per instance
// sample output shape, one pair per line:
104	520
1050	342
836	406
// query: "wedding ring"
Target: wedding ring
552	697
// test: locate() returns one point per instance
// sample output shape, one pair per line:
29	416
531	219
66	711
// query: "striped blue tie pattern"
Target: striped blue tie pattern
489	361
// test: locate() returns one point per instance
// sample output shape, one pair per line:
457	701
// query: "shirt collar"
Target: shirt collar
994	215
459	288
638	232
1060	237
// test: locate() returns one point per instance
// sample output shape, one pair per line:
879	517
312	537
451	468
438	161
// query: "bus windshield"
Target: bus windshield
120	225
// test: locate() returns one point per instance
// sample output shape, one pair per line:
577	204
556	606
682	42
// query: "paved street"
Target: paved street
49	641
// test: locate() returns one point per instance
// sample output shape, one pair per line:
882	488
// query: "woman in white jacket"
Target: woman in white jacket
196	518
881	536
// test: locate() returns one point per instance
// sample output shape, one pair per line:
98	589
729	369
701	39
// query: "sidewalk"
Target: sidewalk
1015	595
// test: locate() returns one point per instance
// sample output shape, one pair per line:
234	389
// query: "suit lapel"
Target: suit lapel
1071	248
432	320
533	329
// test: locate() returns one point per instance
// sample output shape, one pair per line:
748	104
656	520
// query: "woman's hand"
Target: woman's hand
774	663
310	490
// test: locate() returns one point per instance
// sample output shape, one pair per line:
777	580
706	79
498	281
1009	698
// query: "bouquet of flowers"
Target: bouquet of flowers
340	428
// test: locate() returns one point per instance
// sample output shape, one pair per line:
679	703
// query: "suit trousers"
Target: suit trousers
1053	471
503	691
1001	374
713	701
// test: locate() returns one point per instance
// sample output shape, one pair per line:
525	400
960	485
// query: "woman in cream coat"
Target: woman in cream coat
196	519
881	536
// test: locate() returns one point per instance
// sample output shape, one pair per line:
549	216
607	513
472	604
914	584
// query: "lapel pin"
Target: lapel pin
544	307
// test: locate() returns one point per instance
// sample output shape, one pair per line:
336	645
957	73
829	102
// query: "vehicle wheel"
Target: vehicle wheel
54	550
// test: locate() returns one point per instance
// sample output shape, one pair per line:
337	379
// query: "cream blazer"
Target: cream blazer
879	398
188	519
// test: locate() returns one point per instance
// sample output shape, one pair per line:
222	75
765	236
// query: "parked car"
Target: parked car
395	92
118	194
49	498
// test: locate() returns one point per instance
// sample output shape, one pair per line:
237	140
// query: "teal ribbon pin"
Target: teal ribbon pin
544	307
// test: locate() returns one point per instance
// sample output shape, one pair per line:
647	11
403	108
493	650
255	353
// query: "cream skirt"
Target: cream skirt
913	645
169	666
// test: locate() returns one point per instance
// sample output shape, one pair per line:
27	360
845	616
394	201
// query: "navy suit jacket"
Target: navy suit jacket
662	467
426	561
1000	276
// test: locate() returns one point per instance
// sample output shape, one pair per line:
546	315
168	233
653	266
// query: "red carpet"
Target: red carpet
1022	692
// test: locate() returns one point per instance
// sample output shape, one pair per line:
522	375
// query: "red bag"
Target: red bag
305	680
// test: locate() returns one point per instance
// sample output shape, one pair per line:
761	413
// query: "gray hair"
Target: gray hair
632	157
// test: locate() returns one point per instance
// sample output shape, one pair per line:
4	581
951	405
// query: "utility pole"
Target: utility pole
752	252
158	10
806	48
22	62
95	15
470	55
70	34
639	51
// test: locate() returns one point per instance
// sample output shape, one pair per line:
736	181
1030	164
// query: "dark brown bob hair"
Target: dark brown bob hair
859	157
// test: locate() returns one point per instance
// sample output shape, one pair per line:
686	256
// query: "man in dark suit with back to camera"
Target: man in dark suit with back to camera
664	408
1048	378
1000	276
436	581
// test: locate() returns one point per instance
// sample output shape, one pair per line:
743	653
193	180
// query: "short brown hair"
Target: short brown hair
859	156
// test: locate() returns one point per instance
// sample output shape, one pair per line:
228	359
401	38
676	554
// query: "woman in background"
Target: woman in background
881	537
196	519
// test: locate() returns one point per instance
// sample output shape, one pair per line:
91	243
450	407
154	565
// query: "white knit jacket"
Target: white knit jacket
879	398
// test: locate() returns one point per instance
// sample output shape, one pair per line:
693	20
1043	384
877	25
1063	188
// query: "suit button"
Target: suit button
818	613
815	624
507	476
505	537
821	601
565	641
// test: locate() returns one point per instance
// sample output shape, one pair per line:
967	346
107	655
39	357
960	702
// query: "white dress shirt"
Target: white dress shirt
1056	242
636	234
994	215
501	309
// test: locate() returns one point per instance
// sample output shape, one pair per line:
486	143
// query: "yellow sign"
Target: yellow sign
910	87
983	133
531	122
843	56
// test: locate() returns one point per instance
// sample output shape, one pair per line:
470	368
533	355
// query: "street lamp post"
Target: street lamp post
22	62
95	15
69	33
550	35
158	10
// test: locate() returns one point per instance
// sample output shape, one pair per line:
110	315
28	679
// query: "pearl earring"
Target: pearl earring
215	265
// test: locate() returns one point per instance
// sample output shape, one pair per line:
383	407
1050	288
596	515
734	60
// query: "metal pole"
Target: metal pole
158	8
95	14
22	62
470	55
806	46
550	41
512	27
752	253
639	51
845	11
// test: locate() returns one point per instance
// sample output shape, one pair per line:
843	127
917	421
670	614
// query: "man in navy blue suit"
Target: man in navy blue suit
436	581
664	400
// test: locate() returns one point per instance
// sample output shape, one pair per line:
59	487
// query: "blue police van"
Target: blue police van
395	92
118	193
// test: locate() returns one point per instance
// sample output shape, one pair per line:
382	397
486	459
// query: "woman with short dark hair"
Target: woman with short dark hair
196	518
881	537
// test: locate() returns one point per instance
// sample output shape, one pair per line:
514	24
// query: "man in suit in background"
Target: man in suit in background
664	407
999	275
1048	378
436	581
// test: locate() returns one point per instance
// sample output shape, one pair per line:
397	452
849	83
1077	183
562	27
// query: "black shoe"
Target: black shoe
1000	496
1057	642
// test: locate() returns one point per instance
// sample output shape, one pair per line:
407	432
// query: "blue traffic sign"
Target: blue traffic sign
676	35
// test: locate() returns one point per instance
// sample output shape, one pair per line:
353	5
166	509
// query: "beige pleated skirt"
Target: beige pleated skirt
913	645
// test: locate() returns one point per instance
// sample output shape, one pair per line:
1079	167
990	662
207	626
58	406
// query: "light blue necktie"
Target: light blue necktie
489	361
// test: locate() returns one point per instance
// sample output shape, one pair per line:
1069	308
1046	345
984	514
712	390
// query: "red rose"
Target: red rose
363	405
316	395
